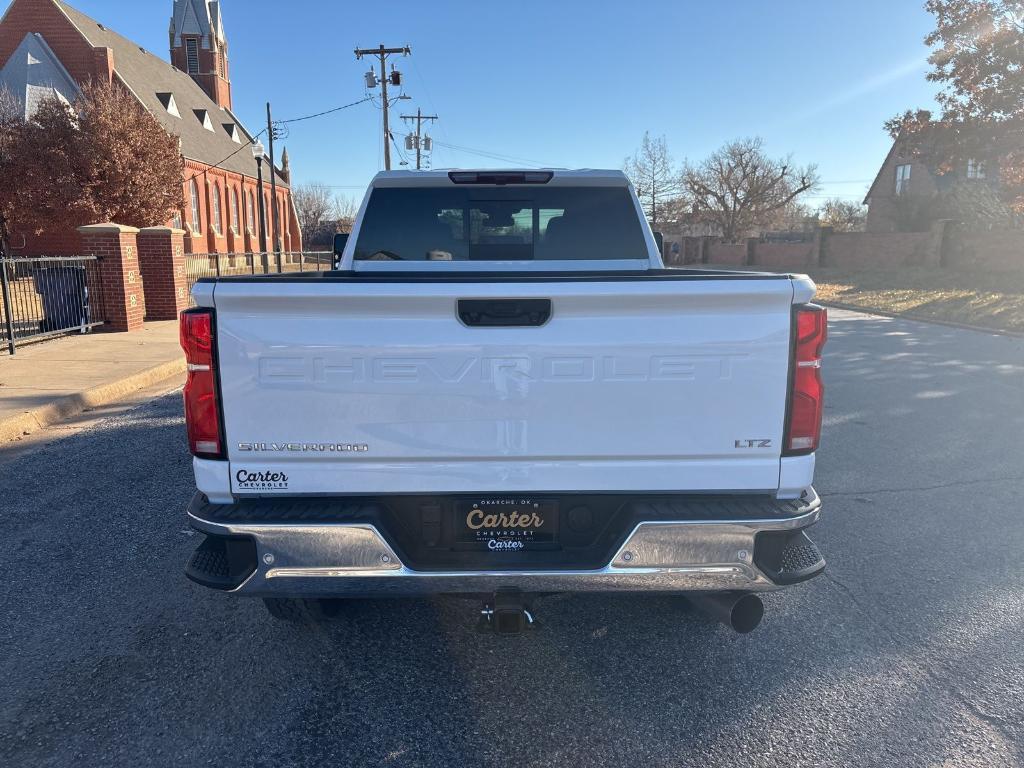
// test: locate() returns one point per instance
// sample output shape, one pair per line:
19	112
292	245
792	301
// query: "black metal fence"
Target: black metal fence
47	296
199	265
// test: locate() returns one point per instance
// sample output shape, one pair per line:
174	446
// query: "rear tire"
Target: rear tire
302	610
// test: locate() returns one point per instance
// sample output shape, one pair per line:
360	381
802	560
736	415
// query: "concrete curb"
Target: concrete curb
920	319
63	408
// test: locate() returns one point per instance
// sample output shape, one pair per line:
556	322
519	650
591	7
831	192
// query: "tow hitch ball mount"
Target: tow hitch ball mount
507	612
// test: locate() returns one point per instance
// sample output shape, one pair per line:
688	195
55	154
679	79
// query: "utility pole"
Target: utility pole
275	221
382	53
419	117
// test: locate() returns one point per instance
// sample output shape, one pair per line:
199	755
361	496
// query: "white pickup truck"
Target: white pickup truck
501	391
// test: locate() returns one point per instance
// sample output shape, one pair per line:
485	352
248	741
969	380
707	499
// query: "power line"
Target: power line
252	141
430	98
249	143
492	155
325	112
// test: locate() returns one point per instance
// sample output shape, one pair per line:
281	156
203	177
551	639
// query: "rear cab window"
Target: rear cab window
496	223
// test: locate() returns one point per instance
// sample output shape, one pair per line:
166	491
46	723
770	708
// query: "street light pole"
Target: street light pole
257	152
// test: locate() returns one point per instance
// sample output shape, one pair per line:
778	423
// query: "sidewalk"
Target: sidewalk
51	381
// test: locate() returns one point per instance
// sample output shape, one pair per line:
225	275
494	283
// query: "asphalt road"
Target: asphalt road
909	652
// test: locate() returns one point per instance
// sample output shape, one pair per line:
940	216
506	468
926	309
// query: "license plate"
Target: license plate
507	524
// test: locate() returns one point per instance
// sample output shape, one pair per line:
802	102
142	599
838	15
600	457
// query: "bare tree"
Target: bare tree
740	188
795	217
654	176
843	215
313	206
344	213
322	214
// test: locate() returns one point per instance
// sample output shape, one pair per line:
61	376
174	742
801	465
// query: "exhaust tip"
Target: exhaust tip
746	613
741	611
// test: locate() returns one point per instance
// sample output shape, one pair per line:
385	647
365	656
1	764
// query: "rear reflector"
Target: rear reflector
803	430
202	406
500	177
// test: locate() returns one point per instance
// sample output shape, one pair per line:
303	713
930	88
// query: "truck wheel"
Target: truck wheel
302	610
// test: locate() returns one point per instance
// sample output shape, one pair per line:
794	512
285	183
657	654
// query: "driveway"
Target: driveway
909	651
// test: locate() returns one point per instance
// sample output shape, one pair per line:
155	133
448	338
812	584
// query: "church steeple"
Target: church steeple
200	48
286	166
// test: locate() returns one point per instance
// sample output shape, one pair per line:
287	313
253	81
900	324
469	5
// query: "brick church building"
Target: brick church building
47	48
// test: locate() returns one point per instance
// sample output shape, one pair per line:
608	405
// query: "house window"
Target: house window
196	225
217	222
252	212
176	221
975	169
234	211
192	55
902	178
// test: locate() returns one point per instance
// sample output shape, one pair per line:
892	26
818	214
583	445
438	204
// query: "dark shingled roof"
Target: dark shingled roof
147	75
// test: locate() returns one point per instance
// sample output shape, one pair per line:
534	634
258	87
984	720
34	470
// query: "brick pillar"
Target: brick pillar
821	241
940	247
751	257
117	251
162	261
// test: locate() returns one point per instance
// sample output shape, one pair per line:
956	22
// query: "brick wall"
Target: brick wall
871	249
206	238
43	16
728	254
997	250
787	255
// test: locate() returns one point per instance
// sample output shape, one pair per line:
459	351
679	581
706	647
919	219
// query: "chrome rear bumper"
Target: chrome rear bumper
336	559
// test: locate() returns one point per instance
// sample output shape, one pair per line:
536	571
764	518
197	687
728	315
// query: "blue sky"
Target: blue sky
575	83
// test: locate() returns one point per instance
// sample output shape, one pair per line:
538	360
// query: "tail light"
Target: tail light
803	427
202	401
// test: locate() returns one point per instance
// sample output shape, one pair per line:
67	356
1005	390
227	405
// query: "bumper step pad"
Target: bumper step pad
788	557
221	562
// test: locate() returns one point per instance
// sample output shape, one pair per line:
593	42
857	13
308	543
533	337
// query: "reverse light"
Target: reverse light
803	427
202	402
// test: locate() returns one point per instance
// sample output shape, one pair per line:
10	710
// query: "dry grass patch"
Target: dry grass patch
985	299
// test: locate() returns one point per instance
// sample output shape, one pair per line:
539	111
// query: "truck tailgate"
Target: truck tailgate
339	386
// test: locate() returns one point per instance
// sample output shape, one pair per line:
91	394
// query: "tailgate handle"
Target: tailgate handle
504	313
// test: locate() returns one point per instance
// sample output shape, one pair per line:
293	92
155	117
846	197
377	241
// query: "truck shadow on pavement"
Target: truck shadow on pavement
906	653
